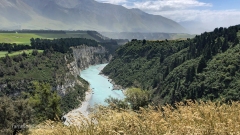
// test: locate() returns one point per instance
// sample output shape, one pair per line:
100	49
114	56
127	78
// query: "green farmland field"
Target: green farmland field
24	38
18	38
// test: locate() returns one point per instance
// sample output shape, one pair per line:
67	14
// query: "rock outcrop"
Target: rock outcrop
85	56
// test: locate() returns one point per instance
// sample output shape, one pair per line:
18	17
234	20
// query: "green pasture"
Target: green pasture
24	38
18	38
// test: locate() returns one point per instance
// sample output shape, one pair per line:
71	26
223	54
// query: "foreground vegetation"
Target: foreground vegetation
141	117
201	118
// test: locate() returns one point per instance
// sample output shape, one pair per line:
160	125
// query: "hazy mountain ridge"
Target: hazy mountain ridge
146	36
81	14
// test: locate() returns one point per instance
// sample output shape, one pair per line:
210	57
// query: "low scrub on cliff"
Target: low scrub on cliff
184	118
74	96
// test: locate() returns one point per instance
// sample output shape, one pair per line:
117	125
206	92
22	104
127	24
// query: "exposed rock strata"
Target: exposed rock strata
84	56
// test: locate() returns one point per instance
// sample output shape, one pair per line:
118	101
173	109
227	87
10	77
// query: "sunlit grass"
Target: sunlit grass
191	118
18	38
24	38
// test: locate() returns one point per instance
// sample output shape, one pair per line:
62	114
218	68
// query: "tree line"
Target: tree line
59	45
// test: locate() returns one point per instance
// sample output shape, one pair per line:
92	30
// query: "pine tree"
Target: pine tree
188	75
236	41
8	61
1	71
225	45
45	102
193	73
166	73
201	65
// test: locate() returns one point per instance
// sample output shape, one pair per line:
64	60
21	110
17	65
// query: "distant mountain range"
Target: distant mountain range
81	14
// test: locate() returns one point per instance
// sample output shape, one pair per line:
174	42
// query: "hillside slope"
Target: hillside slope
205	67
80	14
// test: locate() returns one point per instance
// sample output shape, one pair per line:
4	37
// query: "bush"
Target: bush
115	103
14	112
137	97
46	103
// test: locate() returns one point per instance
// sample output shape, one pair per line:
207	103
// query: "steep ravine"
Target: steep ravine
84	56
81	58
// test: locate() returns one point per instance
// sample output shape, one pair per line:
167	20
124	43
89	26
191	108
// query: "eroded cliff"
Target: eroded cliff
84	56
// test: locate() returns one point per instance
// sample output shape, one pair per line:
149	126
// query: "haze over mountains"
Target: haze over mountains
81	14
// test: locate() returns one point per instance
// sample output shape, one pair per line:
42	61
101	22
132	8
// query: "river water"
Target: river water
100	85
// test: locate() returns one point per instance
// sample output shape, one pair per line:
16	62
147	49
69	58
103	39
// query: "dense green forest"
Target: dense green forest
205	67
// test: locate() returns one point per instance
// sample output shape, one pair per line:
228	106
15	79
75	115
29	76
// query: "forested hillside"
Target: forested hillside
205	67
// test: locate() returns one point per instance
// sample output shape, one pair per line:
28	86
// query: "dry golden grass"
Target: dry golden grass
191	118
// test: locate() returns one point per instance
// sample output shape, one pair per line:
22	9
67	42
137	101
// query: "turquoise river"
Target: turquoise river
100	85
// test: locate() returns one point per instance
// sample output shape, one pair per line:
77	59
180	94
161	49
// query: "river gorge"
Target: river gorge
100	85
100	89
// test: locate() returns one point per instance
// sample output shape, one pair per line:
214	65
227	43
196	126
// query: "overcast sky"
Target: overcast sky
204	14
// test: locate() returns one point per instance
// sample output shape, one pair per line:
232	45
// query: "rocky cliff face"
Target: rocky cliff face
70	79
84	56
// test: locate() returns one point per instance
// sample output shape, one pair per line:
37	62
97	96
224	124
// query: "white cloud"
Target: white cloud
193	11
156	5
199	21
113	1
212	18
